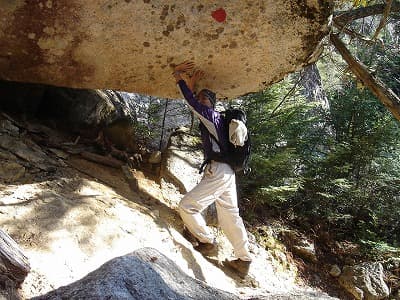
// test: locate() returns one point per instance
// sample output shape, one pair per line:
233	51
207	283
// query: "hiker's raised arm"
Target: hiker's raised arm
186	85
187	91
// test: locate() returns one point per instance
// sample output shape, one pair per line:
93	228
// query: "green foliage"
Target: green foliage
357	3
378	250
360	169
340	169
354	3
153	118
283	135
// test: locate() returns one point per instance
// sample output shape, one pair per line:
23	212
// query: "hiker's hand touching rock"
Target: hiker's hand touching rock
180	69
184	67
197	75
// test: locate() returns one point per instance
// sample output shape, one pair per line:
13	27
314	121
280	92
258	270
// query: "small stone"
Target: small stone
335	271
48	30
155	157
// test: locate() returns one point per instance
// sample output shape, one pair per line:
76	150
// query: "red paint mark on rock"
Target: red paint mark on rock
219	15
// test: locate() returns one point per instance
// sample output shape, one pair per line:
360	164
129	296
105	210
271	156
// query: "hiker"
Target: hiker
218	183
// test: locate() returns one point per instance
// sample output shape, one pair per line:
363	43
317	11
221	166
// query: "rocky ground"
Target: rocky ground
71	215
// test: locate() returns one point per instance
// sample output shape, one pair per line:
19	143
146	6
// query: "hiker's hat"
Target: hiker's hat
210	96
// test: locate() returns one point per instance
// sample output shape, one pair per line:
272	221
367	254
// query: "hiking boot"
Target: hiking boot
240	266
207	249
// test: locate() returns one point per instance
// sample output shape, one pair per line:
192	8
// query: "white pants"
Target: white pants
217	185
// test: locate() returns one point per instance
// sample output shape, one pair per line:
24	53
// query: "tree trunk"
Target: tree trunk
312	86
14	265
163	125
377	87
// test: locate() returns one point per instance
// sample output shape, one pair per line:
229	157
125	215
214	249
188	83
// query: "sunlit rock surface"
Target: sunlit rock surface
126	45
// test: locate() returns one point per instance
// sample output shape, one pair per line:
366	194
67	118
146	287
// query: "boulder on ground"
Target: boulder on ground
365	281
142	274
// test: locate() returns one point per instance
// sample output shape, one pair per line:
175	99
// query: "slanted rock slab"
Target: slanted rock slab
182	160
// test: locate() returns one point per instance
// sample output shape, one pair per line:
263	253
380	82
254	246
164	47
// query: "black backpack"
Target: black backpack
238	150
239	146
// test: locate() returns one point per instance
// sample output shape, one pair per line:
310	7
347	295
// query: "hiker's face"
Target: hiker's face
204	100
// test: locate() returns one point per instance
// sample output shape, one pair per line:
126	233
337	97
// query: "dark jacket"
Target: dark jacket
212	122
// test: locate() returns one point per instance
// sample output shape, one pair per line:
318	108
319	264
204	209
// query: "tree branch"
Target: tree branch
383	20
377	87
345	17
353	33
291	91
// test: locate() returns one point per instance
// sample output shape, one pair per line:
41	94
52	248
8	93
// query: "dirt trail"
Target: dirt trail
70	216
71	223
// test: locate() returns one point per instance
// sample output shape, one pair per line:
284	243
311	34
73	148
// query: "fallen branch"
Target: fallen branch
104	160
14	265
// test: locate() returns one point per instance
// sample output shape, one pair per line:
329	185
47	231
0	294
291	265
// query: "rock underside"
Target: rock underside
243	46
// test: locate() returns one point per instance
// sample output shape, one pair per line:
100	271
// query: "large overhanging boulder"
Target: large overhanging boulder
243	46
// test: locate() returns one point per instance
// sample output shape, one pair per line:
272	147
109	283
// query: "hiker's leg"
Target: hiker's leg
230	221
190	210
198	199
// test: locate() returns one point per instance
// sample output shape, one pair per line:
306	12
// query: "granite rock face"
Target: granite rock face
131	46
365	281
143	274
